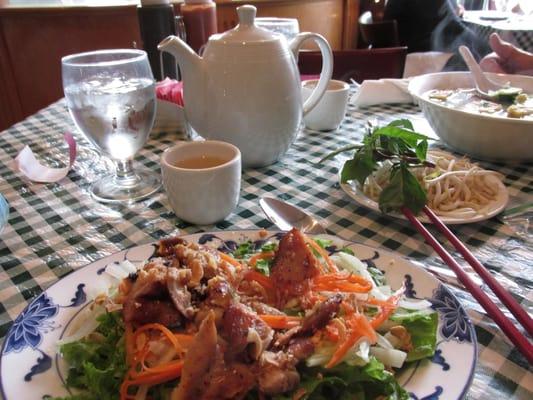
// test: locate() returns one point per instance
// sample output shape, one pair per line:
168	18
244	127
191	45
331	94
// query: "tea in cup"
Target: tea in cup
202	180
331	109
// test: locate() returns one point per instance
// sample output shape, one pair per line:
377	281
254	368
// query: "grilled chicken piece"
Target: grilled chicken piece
205	374
317	319
149	300
242	327
293	267
166	246
178	292
262	308
231	381
321	315
301	348
219	292
276	373
198	360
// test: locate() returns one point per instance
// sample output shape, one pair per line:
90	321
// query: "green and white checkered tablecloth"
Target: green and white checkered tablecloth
56	228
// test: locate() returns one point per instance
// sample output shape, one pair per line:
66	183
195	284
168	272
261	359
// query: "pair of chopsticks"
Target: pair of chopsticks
506	325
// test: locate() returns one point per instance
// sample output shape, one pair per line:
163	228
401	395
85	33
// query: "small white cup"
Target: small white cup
202	180
330	110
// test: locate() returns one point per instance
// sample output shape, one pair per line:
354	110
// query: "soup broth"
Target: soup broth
468	100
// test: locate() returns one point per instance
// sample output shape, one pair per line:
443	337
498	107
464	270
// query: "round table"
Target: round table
517	29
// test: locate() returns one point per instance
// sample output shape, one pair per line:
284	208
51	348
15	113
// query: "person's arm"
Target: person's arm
507	58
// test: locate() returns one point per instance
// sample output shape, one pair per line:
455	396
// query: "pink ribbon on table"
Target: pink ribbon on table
27	164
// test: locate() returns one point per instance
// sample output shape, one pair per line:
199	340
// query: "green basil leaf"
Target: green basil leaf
421	150
408	136
402	190
403	123
358	168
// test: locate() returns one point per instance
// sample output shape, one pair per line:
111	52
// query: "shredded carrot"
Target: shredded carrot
159	369
386	311
172	371
263	280
166	332
280	321
265	255
335	330
375	302
346	342
330	264
342	282
364	325
229	259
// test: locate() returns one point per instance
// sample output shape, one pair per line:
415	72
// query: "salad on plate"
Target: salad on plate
287	320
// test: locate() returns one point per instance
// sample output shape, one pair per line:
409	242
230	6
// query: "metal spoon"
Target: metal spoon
484	86
287	216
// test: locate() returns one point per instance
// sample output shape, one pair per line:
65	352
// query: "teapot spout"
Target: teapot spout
189	62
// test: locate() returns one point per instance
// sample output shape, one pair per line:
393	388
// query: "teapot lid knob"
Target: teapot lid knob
246	15
246	32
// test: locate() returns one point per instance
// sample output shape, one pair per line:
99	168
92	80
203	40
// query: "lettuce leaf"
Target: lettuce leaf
97	364
345	382
423	330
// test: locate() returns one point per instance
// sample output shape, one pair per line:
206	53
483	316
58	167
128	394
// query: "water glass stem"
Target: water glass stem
124	174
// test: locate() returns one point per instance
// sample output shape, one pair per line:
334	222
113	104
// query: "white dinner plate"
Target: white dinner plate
495	207
31	369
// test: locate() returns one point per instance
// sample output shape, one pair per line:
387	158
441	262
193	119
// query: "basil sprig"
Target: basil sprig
405	149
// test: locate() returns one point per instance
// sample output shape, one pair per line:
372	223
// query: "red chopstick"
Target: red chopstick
520	314
506	325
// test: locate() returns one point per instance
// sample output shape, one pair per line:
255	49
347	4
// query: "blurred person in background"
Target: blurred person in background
434	25
507	58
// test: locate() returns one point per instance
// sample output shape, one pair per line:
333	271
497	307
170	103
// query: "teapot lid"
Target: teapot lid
246	30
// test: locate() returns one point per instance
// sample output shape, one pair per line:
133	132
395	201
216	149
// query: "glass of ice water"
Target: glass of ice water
111	97
288	27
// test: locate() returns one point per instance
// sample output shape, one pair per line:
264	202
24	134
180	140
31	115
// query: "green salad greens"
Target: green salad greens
97	363
345	382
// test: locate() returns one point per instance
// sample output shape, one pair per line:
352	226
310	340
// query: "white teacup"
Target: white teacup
202	180
330	110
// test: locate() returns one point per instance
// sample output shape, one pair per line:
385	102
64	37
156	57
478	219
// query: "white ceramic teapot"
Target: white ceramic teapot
246	88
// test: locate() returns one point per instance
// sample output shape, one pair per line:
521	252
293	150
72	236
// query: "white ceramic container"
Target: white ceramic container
331	109
479	135
202	196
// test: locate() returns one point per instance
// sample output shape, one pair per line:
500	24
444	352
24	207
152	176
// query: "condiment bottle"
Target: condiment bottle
156	22
200	19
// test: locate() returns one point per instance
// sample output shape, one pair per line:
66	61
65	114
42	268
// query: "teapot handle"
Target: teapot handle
327	66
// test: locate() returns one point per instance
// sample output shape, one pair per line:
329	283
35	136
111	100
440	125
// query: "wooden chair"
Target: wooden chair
378	33
358	64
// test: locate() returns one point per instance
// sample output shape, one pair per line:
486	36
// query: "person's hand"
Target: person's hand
507	58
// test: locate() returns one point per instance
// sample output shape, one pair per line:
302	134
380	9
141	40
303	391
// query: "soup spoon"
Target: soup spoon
484	86
287	216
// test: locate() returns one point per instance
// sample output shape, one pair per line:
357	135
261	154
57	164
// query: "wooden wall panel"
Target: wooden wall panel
33	40
321	16
10	107
37	39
